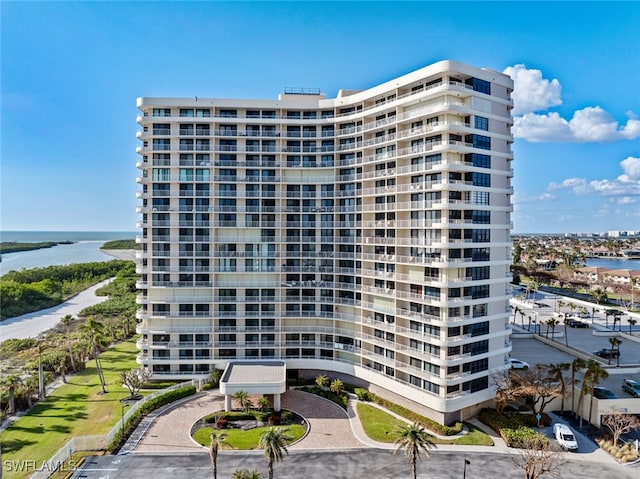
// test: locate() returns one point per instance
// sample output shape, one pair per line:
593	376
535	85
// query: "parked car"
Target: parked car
565	437
603	393
607	353
576	323
517	364
614	312
632	387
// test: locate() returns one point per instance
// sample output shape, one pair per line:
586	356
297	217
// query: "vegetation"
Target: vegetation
121	244
274	442
16	247
413	439
620	423
216	441
539	383
73	409
64	349
380	425
514	428
415	417
625	453
538	457
239	439
341	399
31	290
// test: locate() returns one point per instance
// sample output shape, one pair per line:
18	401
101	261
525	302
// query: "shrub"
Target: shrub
415	417
514	428
287	416
222	423
363	394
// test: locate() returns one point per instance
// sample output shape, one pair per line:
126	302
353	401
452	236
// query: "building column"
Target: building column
227	402
276	402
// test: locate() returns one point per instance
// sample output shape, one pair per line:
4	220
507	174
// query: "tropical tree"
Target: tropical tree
558	371
337	386
551	324
560	305
572	307
617	319
413	439
93	331
599	295
263	404
632	322
11	383
218	439
243	400
66	322
322	380
215	376
615	344
274	442
592	377
246	474
566	330
576	365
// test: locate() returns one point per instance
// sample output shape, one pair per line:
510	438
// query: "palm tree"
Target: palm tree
592	377
551	323
93	331
322	380
243	400
572	307
600	295
632	322
12	382
66	322
615	344
560	305
246	474
413	439
263	404
566	331
597	373
617	319
576	365
218	439
558	370
337	386
215	376
274	442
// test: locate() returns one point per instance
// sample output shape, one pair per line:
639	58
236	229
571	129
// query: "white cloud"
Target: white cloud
626	186
533	93
591	124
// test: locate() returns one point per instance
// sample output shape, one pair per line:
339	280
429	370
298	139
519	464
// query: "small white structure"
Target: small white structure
254	377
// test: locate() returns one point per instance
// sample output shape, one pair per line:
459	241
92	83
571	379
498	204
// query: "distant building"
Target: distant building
366	235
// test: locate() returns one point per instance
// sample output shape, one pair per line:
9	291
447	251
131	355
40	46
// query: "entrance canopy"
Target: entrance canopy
254	377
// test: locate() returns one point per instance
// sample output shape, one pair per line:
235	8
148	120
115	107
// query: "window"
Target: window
478	85
476	385
186	112
479	141
161	112
480	197
481	179
481	123
479	160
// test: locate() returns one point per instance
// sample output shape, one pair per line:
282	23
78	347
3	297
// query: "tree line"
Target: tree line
34	289
67	348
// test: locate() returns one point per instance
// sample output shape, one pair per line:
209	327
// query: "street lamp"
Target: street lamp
122	415
464	471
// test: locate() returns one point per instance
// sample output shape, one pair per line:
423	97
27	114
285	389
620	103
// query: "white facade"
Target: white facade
367	234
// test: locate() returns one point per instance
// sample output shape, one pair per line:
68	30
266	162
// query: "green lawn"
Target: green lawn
378	424
382	426
74	409
239	439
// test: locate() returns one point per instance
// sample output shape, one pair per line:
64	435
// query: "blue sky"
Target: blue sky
71	72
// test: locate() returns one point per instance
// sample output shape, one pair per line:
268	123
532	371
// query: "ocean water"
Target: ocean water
85	249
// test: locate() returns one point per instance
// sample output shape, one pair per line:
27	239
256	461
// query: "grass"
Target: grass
74	409
382	426
239	439
378	424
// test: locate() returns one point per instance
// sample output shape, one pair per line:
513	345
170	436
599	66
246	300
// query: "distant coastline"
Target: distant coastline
61	236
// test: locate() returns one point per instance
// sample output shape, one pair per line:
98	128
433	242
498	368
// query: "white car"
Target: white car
565	437
517	364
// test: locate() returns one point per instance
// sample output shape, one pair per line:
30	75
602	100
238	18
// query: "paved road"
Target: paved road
336	464
31	325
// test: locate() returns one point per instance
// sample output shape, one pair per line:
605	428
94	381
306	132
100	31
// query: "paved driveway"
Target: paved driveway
329	424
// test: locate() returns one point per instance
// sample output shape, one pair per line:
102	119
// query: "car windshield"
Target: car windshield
568	437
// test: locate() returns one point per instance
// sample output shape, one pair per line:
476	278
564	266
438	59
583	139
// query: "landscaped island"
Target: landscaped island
121	244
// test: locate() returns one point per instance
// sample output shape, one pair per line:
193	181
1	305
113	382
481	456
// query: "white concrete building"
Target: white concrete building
366	235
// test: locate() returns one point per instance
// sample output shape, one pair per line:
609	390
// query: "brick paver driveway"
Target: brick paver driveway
329	424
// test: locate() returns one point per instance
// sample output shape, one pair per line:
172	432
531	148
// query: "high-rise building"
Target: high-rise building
366	235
